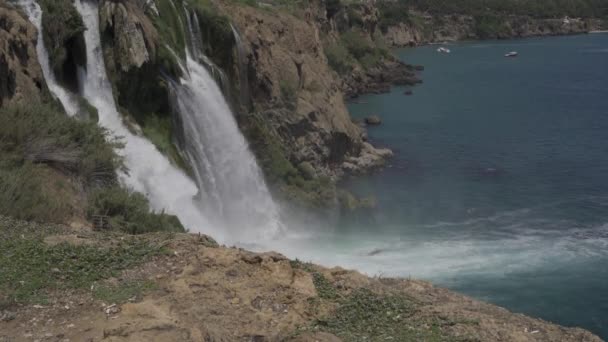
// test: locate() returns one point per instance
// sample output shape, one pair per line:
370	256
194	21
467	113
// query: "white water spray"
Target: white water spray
150	173
34	13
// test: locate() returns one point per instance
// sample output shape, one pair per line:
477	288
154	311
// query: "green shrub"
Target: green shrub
40	134
129	212
356	44
30	192
393	13
289	94
339	58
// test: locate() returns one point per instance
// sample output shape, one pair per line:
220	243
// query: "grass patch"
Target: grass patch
128	291
30	268
325	289
367	316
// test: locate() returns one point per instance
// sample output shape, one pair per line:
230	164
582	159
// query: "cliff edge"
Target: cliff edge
90	286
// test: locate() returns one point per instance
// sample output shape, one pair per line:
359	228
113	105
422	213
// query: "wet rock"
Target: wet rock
373	120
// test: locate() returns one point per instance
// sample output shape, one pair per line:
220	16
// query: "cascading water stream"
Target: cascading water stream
196	49
242	68
150	173
233	190
34	13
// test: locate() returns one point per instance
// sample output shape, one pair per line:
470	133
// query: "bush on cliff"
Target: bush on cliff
393	13
50	163
129	212
41	135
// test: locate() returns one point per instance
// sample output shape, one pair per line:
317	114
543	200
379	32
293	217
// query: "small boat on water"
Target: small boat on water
511	54
443	50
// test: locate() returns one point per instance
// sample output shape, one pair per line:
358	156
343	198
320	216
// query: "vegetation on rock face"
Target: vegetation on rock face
393	13
41	135
51	162
296	184
63	29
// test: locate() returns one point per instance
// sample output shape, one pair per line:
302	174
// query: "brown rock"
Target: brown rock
21	78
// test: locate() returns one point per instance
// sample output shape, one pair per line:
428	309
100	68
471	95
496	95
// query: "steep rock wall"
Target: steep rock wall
21	77
293	86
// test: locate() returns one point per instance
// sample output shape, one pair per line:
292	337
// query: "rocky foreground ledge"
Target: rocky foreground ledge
69	284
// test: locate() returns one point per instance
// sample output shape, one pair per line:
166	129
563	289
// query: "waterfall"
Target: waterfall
196	47
150	173
242	67
194	34
232	189
229	199
34	13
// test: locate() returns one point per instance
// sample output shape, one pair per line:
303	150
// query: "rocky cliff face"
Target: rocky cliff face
294	89
21	77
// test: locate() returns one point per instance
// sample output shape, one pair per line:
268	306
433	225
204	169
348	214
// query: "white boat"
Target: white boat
511	54
443	50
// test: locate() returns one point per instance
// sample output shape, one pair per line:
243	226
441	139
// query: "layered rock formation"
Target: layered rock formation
21	77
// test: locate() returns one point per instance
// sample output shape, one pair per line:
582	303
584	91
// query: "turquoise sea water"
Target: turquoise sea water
499	186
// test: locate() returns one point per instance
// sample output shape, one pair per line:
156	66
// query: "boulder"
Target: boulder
373	120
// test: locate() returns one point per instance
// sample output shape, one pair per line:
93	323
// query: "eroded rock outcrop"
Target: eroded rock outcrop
288	70
130	46
21	77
